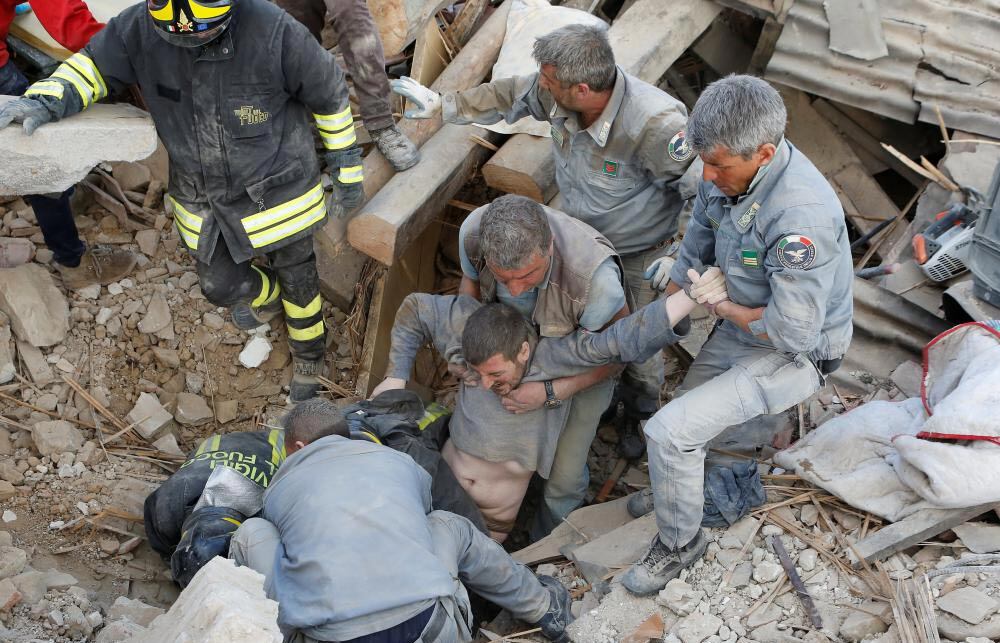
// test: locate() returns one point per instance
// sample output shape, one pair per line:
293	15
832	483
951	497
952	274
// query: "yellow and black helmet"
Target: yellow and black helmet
190	23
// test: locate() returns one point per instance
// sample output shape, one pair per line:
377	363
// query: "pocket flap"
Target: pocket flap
292	172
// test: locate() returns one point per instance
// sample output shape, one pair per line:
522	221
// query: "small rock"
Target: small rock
192	410
213	321
255	352
968	604
9	595
148	415
741	575
56	618
739	532
769	614
809	515
56	436
93	291
697	627
133	610
807	560
108	546
31	585
7	491
979	537
103	315
157	316
226	411
187	280
908	377
766	571
119	632
148	240
194	382
859	626
133	177
679	597
38	311
167	357
168	444
115	289
55	579
12	560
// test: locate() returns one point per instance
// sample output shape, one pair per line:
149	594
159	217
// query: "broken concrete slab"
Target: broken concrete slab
7	368
58	155
148	240
697	627
35	363
37	309
226	411
149	416
979	537
223	603
157	317
192	410
908	377
54	437
588	524
134	611
618	548
679	597
968	604
168	444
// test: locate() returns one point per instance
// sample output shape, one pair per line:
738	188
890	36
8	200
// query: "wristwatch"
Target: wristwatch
551	401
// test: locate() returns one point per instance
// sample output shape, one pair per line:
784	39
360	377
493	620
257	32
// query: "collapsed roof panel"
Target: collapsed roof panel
943	53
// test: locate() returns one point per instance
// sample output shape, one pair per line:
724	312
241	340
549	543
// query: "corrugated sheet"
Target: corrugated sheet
944	53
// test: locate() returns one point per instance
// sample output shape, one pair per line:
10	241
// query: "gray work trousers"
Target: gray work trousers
733	379
569	478
359	41
641	382
473	560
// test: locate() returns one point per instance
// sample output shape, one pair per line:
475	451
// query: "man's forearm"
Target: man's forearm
740	315
567	387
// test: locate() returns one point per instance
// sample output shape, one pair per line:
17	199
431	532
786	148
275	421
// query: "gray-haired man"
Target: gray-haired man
620	151
562	275
769	219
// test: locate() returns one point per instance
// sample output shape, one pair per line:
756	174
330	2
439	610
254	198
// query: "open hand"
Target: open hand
526	397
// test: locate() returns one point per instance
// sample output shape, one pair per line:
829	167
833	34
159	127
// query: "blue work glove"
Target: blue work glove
27	111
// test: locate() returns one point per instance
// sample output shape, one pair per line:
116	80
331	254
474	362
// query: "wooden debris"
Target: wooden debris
648	630
796	581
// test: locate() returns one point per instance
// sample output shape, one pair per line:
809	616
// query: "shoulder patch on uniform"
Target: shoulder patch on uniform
796	251
678	148
747	217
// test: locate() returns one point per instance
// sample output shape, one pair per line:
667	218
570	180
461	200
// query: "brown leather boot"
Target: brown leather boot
100	264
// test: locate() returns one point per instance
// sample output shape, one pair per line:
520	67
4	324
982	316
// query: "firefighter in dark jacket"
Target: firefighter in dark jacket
231	86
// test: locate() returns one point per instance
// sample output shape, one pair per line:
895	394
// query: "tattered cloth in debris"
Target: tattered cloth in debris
529	19
873	458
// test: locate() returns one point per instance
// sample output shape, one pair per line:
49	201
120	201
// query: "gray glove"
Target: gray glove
348	196
27	111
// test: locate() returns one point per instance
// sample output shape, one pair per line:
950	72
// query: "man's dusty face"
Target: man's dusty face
732	173
563	96
502	375
529	275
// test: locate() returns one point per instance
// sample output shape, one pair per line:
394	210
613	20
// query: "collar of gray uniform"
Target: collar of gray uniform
744	208
600	128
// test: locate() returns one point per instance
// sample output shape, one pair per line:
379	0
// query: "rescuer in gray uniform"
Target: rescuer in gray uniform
766	216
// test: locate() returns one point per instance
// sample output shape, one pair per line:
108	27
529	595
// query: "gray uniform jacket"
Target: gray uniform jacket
351	515
234	117
480	425
620	175
783	246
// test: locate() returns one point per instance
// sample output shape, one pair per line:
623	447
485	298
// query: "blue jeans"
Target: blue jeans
55	218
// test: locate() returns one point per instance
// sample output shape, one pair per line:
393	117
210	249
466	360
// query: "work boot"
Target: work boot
15	251
247	317
400	151
100	264
631	445
555	620
641	503
661	565
305	380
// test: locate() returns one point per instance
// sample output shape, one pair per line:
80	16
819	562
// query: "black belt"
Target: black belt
827	366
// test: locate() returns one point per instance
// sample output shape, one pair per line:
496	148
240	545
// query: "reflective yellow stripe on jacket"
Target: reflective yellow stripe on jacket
336	130
188	224
82	74
286	219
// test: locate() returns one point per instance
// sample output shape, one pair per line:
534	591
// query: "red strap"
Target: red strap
930	435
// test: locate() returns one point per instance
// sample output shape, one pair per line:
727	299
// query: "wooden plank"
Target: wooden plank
646	39
765	46
414	272
386	225
913	529
430	56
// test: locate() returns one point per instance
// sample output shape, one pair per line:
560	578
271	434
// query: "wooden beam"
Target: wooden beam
914	529
387	224
647	39
399	22
340	264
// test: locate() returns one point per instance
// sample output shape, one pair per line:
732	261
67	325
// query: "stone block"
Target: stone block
979	537
58	155
133	610
223	603
12	561
697	627
968	604
54	437
37	309
149	416
192	410
860	626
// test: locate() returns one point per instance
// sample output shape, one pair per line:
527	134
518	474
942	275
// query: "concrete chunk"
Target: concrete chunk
192	410
148	415
38	312
223	603
58	155
979	537
54	437
968	604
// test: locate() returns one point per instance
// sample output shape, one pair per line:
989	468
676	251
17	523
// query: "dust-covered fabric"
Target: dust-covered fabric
873	457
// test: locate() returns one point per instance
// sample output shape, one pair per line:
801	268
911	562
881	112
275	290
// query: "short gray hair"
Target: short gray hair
513	229
737	113
313	419
580	54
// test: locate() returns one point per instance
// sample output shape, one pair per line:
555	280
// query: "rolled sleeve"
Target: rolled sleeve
607	296
794	316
